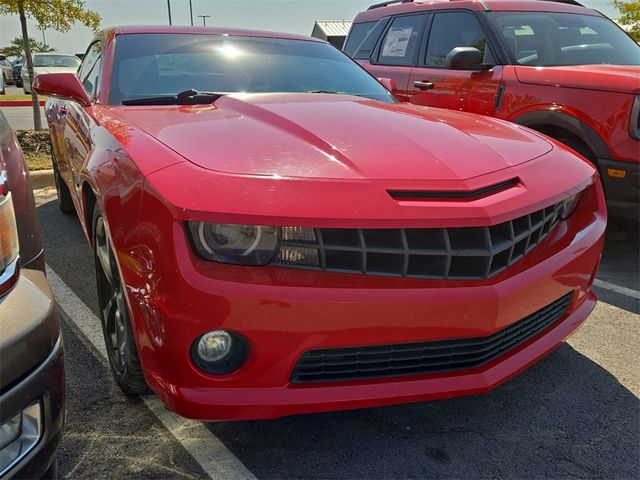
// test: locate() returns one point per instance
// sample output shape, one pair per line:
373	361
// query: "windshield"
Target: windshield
544	39
154	65
55	61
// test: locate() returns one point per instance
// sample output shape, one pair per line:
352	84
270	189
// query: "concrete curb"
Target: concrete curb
42	179
19	103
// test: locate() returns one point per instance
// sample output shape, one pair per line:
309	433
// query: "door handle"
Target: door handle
423	85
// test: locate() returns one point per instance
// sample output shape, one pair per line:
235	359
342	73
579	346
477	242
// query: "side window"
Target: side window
402	41
363	52
358	33
90	69
455	29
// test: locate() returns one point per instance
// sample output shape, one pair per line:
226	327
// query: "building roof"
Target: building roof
333	28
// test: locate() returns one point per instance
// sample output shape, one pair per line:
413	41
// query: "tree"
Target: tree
629	16
57	15
16	47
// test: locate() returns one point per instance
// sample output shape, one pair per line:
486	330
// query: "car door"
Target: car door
396	53
433	84
77	123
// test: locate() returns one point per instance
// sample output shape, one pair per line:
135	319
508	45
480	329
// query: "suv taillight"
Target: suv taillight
8	244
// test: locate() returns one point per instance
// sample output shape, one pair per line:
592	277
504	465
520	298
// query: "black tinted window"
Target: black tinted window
357	34
455	29
402	41
550	39
151	65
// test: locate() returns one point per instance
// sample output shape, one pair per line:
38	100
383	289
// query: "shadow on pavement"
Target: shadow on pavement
564	417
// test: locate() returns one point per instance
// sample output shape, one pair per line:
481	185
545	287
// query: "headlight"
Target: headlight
569	205
231	243
8	233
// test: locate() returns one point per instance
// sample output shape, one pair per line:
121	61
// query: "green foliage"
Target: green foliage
57	15
629	16
16	47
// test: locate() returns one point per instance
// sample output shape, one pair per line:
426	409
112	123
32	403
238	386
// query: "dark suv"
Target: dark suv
32	390
554	66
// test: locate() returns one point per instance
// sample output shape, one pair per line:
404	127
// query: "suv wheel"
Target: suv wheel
116	325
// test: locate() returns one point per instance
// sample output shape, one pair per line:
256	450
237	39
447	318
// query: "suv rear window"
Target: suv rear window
544	39
358	33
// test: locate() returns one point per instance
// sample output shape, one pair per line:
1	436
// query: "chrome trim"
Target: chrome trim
9	276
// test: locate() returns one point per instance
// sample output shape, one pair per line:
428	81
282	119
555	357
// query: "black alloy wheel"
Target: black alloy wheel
116	325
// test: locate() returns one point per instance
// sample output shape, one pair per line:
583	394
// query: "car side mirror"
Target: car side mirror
466	58
65	86
388	83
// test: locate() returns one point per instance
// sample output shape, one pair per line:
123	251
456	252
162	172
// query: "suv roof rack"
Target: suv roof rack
568	2
391	2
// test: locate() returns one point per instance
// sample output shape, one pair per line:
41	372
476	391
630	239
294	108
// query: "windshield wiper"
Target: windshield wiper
186	97
324	91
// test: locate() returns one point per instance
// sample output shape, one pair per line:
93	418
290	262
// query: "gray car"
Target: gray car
32	389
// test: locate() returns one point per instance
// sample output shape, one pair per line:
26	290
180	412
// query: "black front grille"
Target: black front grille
468	253
380	361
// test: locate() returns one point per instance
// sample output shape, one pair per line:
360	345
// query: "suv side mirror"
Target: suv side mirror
466	58
65	86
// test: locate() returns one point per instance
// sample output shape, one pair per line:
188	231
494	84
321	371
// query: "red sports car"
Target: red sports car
274	234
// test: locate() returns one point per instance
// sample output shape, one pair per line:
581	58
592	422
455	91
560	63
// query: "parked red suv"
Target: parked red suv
554	66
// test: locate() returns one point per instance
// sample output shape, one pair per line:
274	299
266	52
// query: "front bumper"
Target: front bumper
285	312
44	384
622	186
32	368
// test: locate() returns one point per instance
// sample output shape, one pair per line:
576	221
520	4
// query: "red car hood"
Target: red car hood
335	136
609	78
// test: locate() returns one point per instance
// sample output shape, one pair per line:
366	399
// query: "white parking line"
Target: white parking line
617	289
205	448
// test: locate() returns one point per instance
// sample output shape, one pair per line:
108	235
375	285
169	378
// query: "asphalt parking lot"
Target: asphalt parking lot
574	414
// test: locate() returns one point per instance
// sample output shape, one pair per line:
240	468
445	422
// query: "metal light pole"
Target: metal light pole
44	40
204	19
191	12
169	10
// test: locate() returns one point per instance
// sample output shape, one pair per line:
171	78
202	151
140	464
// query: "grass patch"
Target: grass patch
36	149
38	161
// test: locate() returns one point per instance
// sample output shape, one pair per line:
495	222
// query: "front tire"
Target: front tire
116	324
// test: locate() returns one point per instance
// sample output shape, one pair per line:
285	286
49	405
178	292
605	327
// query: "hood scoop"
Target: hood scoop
465	195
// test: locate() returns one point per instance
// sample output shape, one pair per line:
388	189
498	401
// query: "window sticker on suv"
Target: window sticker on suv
397	41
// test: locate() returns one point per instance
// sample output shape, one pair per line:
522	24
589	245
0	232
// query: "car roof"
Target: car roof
57	54
180	29
401	7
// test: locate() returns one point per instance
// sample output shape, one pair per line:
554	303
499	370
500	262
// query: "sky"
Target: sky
295	16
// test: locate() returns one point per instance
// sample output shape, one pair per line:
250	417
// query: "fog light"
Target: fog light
214	346
19	435
219	351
